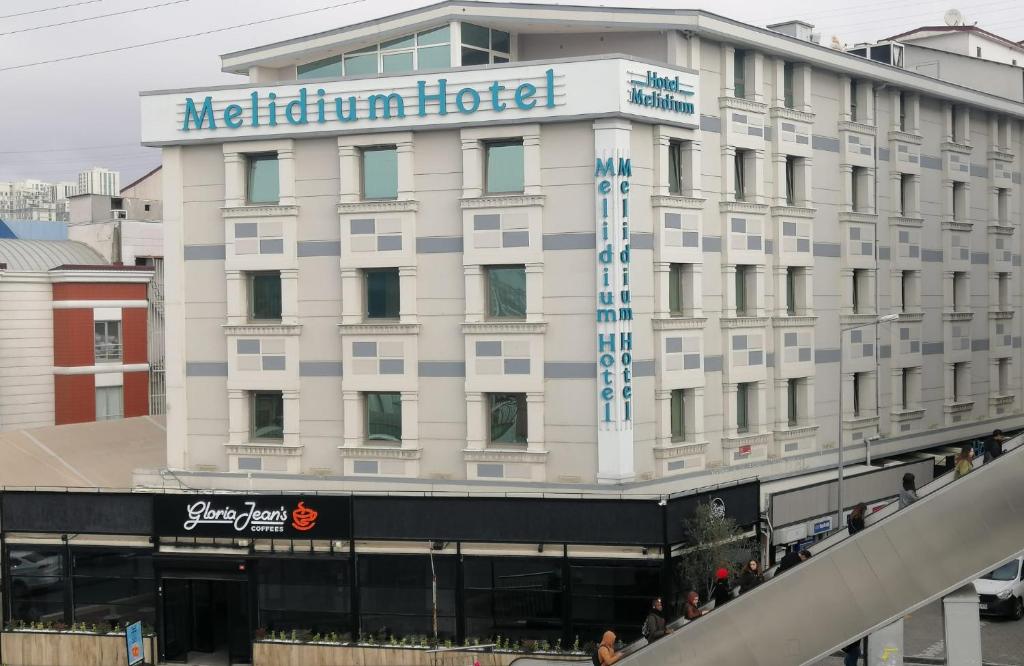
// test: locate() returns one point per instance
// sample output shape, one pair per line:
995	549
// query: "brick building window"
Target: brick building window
109	403
107	341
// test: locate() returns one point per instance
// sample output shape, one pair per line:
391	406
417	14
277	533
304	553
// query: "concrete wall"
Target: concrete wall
26	353
1002	80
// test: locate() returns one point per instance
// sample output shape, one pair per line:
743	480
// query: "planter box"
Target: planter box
52	648
300	654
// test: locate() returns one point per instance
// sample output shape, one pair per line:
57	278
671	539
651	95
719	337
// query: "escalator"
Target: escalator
856	585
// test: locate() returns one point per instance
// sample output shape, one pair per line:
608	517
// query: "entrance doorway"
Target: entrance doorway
206	622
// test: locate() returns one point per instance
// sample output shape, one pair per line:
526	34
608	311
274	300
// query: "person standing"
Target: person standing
964	462
654	626
855	521
692	611
909	493
994	447
851	654
606	653
751	577
722	591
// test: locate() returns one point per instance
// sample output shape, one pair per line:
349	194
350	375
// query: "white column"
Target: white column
237	310
758	77
728	71
729	288
534	292
354	418
472	168
349	189
779	176
802	81
696	188
846	178
289	295
729	173
662	275
760	292
762	407
780	303
175	331
410	419
781	404
698	290
238	417
779	82
406	170
844	98
535	421
234	181
352	304
962	627
476	422
286	176
531	164
758	187
699	434
407	294
729	409
292	420
663	416
476	292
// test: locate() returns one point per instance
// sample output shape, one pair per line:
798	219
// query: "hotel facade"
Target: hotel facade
506	244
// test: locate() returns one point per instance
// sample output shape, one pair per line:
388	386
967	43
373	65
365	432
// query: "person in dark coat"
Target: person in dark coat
654	625
692	609
855	521
994	447
722	591
751	577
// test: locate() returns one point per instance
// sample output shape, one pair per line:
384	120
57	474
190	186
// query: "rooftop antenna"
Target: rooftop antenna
953	17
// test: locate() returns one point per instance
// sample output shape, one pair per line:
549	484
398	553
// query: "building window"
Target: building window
743	391
740	74
507	423
380	172
426	50
906	194
1003	294
506	292
676	167
954	121
858	188
908	291
791	290
960	382
484	46
1003	376
853	100
384	417
794	175
793	400
743	163
858	290
680	290
787	86
109	403
959	201
959	289
264	291
504	166
905	374
858	386
978	51
263	183
904	100
382	293
744	306
107	341
266	410
678	408
1003	206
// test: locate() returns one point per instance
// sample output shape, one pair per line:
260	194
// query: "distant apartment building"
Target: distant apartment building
34	200
98	180
73	335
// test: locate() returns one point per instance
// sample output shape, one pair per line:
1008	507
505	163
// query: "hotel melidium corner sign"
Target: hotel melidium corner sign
613	174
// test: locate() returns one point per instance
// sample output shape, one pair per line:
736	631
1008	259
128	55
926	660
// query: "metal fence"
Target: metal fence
157	378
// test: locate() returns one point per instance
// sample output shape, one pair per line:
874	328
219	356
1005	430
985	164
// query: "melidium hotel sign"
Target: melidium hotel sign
555	90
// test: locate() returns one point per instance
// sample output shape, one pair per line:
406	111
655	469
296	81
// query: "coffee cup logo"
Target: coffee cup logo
303	518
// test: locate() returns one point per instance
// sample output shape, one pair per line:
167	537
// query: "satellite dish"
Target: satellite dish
954	17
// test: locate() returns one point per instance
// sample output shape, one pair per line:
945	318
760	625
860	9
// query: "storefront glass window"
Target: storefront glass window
37	584
306	595
113	588
395	595
610	595
516	597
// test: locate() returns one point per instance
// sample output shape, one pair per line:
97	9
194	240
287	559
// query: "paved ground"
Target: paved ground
1002	641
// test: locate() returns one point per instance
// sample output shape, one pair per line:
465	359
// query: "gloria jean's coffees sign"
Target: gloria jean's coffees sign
253	516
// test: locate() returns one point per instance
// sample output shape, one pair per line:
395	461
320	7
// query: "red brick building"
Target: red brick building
77	335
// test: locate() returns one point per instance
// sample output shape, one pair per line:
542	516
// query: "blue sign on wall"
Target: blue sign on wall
133	641
822	526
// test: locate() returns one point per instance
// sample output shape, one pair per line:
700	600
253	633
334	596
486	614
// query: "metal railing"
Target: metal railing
107	352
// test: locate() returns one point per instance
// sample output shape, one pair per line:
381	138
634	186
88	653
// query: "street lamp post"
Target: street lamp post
839	430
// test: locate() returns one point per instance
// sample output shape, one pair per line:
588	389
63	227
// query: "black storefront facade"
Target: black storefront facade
209	572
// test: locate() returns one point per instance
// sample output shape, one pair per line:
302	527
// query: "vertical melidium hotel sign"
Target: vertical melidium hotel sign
613	303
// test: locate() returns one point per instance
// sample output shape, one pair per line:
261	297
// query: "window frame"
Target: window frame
250	293
792	272
740	174
906	194
522	420
363	152
488	144
958	202
118	344
251	159
743	407
254	397
853	100
791	166
741	298
366	273
676	167
739	74
677	415
494	56
488	274
793	408
788	85
905	375
857	386
119	389
378	438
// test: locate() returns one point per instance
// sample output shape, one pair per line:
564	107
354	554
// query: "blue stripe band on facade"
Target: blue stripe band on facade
711	244
827	250
570	241
929	162
712	364
883	154
442	369
204	253
826	143
569	370
438	244
979	257
883	252
931	255
318	248
932	348
320	369
884	351
826	355
206	369
710	124
981	344
642	240
979	171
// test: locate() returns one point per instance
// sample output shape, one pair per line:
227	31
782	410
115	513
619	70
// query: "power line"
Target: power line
50	9
66	150
93	18
180	37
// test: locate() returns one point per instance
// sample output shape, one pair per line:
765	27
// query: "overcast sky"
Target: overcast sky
56	119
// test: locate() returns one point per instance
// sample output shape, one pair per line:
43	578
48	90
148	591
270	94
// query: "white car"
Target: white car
1001	592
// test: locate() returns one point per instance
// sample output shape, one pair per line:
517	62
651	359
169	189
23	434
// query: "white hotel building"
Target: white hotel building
369	286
